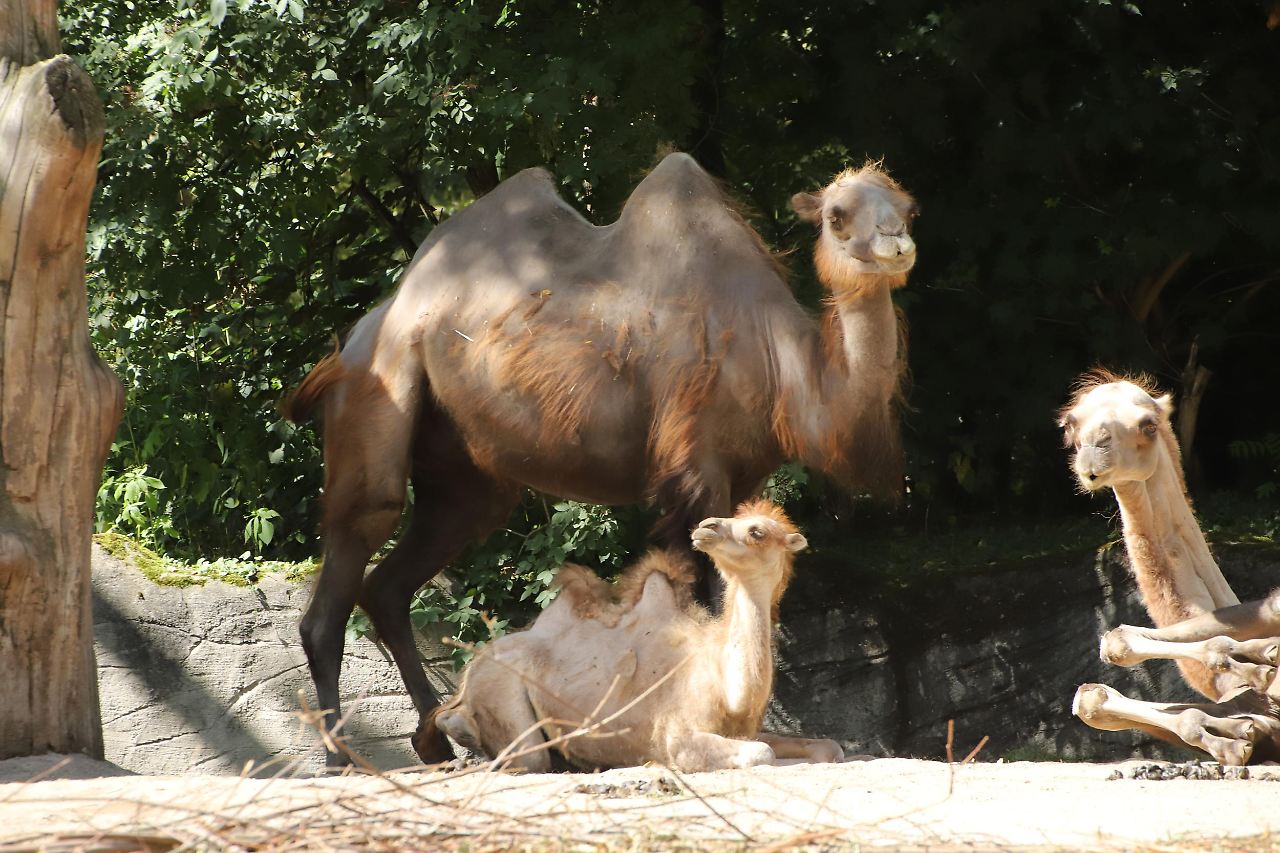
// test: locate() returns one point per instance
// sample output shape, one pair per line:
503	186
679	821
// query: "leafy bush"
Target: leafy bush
1098	185
508	577
1265	452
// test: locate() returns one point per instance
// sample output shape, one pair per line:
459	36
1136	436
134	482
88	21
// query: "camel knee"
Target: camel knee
1190	726
1271	608
1114	647
366	525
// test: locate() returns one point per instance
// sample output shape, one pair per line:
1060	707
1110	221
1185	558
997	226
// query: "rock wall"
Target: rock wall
208	677
1001	653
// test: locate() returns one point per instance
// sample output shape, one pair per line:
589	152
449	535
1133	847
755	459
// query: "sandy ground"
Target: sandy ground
887	802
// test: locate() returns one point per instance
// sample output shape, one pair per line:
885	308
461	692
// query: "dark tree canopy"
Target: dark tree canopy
1098	183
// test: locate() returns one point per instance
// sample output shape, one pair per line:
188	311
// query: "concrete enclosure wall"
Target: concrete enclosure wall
207	678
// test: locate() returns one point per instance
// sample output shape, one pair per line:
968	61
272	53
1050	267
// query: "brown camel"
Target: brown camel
660	356
616	675
1120	431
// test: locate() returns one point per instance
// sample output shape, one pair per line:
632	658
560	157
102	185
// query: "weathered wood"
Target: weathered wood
59	405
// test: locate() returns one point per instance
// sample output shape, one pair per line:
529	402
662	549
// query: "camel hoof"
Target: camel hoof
336	761
1235	753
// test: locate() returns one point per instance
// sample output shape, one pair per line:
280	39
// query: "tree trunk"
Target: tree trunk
59	405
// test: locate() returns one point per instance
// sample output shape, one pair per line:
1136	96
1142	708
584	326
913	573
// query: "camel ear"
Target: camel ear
796	542
1067	423
1165	404
808	206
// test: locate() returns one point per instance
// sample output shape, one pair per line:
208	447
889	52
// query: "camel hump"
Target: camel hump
301	401
678	163
673	564
533	175
586	592
678	178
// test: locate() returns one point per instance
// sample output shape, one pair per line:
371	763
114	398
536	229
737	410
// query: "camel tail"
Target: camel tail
301	401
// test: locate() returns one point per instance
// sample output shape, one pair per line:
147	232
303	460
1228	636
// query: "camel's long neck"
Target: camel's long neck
746	658
839	415
1176	574
869	345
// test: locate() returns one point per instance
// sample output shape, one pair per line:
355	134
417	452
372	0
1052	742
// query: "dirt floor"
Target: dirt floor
887	802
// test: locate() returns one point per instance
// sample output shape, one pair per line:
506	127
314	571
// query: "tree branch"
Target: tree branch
384	213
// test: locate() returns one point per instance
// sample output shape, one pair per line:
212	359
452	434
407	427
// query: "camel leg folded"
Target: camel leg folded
1254	624
1228	730
1251	662
809	750
695	752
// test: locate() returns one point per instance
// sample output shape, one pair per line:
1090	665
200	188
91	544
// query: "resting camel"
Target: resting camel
662	356
1120	431
638	670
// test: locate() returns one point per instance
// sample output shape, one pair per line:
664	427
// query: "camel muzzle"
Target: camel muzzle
705	534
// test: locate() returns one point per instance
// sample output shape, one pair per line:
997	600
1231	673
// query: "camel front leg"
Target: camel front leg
1255	624
1229	731
695	752
807	750
1251	663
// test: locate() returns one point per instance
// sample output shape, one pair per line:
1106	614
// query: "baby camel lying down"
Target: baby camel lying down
638	670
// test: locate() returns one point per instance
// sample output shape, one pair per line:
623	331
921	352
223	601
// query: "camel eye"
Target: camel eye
1148	427
836	217
756	533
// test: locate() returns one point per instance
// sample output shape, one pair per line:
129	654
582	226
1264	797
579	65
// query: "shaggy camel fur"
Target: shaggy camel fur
1119	429
637	670
660	356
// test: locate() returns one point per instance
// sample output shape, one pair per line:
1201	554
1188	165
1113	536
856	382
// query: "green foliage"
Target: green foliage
167	571
1264	453
509	577
1097	184
786	485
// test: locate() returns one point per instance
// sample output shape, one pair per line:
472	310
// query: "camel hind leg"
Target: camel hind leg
1231	731
806	750
367	445
454	503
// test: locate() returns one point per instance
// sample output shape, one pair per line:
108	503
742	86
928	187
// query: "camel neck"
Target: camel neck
835	405
869	338
746	664
1176	573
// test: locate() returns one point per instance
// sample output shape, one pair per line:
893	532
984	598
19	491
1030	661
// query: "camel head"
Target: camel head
1115	426
758	543
865	217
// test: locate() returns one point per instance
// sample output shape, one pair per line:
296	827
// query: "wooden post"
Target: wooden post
59	405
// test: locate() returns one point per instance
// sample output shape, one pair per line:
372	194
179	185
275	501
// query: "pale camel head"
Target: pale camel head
1116	427
758	543
866	219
